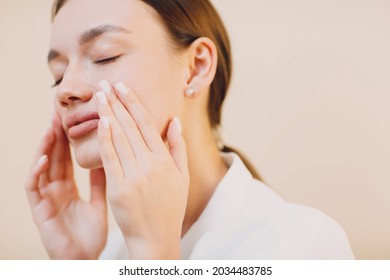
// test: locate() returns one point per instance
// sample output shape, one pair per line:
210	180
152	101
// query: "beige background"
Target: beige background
309	105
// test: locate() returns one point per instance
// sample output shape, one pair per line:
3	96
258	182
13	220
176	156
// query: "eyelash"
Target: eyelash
100	62
107	60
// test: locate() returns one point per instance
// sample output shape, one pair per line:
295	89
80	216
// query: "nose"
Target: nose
74	88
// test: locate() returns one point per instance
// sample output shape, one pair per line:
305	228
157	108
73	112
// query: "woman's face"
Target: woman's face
118	41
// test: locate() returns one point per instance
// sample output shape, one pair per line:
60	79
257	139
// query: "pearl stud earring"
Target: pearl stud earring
190	92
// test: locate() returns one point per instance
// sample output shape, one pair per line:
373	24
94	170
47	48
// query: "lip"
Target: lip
81	123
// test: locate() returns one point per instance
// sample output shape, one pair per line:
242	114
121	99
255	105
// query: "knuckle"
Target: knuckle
112	99
103	134
131	101
118	197
115	105
129	124
109	156
118	138
146	121
131	105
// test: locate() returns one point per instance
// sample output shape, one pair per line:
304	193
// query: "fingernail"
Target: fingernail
105	122
101	97
121	88
105	86
42	160
178	124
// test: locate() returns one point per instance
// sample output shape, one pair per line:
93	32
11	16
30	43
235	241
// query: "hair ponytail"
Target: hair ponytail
246	162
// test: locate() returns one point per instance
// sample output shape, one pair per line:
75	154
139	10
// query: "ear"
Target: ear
203	59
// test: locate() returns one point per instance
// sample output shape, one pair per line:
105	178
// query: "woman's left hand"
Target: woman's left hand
147	183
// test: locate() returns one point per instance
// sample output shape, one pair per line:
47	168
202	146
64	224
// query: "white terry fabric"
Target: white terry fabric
245	219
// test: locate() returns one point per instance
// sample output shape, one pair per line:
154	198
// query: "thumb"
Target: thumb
98	186
177	146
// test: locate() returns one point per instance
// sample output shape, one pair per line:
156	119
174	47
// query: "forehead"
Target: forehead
77	16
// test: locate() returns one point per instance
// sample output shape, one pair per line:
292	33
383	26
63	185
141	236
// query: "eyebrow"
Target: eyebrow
90	35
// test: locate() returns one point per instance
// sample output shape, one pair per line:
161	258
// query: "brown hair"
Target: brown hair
186	21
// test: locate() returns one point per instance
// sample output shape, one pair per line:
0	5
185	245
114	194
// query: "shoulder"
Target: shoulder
310	234
265	226
298	232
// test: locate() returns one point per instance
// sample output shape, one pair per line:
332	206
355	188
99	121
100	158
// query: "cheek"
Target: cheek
162	106
159	88
158	81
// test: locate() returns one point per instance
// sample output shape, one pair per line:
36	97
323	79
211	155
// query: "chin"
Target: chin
87	152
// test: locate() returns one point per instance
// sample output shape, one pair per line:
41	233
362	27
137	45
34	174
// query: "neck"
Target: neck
207	168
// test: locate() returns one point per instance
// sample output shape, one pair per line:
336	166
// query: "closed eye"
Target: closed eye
101	62
107	60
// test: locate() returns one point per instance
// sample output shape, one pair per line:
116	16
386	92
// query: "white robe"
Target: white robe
245	219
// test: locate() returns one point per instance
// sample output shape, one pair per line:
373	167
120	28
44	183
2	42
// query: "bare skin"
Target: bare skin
157	178
70	228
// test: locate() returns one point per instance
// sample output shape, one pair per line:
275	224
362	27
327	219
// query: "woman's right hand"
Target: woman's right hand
69	227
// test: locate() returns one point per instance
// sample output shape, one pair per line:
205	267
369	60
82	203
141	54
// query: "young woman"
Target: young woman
139	91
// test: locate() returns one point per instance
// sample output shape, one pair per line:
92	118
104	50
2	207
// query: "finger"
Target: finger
115	139
177	147
44	147
126	121
142	118
60	159
32	188
67	163
44	180
111	163
67	157
37	178
98	187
